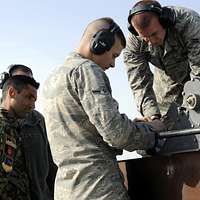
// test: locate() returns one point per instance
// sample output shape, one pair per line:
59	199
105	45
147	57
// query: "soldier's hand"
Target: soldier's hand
157	125
142	119
146	118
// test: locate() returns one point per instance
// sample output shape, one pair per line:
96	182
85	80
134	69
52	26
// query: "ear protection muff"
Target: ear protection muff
3	77
104	39
166	15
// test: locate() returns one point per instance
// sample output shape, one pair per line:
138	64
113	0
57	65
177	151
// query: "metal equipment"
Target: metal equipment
173	172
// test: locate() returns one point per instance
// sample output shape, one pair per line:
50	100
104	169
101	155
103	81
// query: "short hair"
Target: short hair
107	20
19	82
144	20
145	17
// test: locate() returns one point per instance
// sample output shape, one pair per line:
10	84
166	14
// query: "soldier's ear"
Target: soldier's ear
12	92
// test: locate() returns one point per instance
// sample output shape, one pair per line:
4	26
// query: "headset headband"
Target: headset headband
114	27
150	7
146	8
12	68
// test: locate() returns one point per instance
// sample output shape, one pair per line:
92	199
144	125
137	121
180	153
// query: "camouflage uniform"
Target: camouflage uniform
14	182
174	63
85	130
40	166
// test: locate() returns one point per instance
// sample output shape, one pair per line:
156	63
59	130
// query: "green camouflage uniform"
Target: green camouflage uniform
14	182
174	63
85	130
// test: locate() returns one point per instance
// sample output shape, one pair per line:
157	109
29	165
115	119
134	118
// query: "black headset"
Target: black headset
166	15
104	39
11	68
3	77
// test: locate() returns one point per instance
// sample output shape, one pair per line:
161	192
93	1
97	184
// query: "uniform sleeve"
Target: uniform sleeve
191	37
117	130
140	77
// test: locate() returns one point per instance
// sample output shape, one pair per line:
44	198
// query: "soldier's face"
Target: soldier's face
24	101
107	59
154	33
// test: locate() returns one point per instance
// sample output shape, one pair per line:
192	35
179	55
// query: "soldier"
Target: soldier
19	94
169	39
85	127
40	166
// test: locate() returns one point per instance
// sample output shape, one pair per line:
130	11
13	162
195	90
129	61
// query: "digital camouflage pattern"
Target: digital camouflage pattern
174	63
14	182
86	130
